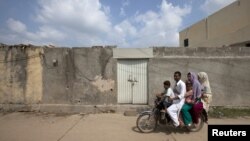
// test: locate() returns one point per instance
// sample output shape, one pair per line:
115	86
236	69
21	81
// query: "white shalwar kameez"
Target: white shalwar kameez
175	108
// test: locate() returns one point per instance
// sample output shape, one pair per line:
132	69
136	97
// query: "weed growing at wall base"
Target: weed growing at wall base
229	112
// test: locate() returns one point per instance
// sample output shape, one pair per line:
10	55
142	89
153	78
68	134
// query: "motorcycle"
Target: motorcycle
148	121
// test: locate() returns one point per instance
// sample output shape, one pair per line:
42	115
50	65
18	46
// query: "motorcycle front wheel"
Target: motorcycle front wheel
146	123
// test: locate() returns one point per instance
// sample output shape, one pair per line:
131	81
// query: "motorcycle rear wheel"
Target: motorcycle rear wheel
198	126
146	123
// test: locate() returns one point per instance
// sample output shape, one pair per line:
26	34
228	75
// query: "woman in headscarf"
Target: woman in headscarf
196	98
206	90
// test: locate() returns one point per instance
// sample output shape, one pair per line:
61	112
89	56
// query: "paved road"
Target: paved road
93	127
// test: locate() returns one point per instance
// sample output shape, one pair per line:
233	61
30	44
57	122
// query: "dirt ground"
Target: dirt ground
93	127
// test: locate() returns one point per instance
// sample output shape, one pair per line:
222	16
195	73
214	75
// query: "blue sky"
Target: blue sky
85	23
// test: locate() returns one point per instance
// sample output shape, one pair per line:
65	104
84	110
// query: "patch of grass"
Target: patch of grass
229	112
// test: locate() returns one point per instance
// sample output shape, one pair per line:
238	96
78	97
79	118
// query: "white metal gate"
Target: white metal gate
132	81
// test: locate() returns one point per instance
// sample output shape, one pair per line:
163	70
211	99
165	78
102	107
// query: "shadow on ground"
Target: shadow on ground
164	129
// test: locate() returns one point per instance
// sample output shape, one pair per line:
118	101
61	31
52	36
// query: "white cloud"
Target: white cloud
15	25
106	10
20	34
125	3
122	12
87	23
81	22
85	16
211	6
125	28
47	32
124	32
158	28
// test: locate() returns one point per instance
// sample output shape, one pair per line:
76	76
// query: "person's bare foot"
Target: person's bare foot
181	124
195	125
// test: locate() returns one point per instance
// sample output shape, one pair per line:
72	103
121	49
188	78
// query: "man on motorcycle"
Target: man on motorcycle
147	121
178	99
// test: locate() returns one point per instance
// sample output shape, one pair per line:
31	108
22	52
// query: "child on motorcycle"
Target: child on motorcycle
164	97
189	93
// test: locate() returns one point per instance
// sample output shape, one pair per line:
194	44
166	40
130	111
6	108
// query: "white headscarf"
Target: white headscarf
203	78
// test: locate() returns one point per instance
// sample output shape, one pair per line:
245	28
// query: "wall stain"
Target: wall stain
103	84
104	58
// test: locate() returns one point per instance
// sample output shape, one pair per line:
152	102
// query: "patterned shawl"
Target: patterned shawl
205	82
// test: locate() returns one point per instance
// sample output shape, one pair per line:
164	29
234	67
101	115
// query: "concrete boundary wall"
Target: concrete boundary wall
48	79
227	68
20	75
